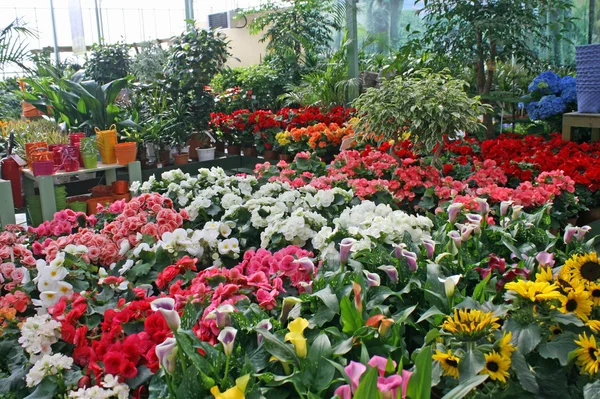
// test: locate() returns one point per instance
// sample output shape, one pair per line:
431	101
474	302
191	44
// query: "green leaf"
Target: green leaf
566	319
367	388
525	338
524	373
283	352
190	384
143	376
343	347
351	319
592	390
471	364
559	348
465	387
316	362
432	311
419	385
401	318
46	389
329	299
479	293
190	316
158	387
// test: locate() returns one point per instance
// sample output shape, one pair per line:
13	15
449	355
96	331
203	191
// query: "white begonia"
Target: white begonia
126	267
38	333
231	200
111	388
142	247
46	366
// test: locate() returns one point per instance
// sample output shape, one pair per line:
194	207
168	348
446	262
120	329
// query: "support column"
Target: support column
7	206
189	9
352	49
135	171
47	198
54	37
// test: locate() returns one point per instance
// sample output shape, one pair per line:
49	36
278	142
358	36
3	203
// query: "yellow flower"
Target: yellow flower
296	336
594	325
555	331
588	354
594	290
448	361
577	301
236	392
544	275
534	291
505	347
496	366
585	268
471	323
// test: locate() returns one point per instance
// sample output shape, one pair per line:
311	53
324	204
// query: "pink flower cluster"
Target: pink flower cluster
388	386
261	277
64	222
100	247
150	214
13	248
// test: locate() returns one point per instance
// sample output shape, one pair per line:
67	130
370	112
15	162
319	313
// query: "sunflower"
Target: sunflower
594	325
555	331
577	301
533	290
505	347
448	361
544	275
471	324
496	366
585	268
588	355
594	290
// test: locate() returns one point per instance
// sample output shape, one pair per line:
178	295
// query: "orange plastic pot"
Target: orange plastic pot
125	153
107	139
92	204
32	147
119	197
120	187
181	159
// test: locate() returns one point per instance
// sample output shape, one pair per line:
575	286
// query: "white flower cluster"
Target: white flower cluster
368	222
111	388
297	228
38	333
50	280
47	365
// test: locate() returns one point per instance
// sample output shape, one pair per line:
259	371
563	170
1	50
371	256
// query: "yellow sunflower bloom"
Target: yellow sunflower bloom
505	347
296	336
449	363
585	268
594	325
544	275
496	366
534	290
588	355
594	290
578	302
471	324
555	331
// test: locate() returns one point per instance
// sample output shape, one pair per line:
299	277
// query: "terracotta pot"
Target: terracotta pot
125	153
101	191
233	149
165	157
118	197
181	159
193	143
286	157
120	187
219	147
92	203
270	154
249	151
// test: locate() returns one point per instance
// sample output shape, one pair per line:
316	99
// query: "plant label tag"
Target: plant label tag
346	143
18	160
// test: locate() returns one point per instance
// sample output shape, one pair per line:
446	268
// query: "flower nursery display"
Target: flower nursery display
382	222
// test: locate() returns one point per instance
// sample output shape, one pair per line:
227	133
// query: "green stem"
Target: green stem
226	369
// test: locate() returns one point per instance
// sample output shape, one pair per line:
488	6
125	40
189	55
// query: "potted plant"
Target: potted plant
136	136
206	149
178	130
282	145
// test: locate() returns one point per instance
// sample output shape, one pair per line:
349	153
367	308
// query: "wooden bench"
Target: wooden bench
575	119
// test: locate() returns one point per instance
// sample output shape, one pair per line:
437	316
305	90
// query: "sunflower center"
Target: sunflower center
596	293
493	366
556	331
592	353
451	362
590	271
571	305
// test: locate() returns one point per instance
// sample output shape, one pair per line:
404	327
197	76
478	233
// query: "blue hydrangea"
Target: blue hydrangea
567	82
547	107
569	95
546	83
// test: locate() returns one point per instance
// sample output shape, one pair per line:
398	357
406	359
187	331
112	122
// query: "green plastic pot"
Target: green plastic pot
90	161
78	206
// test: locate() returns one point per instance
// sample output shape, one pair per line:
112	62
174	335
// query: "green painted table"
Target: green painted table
46	183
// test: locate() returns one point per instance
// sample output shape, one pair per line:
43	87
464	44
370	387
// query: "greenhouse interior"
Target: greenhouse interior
263	199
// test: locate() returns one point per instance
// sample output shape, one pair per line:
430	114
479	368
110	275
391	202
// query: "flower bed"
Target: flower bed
314	282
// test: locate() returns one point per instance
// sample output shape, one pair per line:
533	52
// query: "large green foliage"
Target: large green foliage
10	104
108	62
149	62
196	57
13	46
302	29
429	104
77	103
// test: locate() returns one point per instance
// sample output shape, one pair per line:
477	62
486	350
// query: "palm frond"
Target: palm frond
13	44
